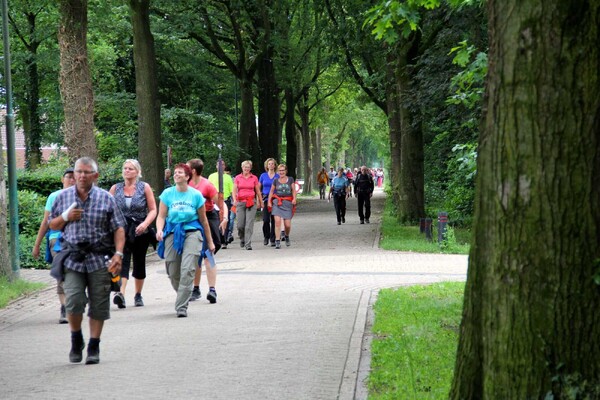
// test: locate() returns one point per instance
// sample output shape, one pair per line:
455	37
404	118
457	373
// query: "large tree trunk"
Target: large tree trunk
146	88
75	80
291	149
411	199
306	140
316	156
33	131
531	325
392	96
268	108
248	137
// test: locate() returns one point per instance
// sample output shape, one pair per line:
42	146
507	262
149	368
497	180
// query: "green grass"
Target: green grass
12	290
408	238
415	339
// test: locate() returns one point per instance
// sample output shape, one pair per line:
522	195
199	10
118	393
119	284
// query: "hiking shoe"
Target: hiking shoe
282	235
343	220
138	301
266	241
367	221
119	300
248	247
242	244
272	244
195	294
287	241
182	313
93	355
77	345
278	244
339	223
224	246
63	315
212	296
362	221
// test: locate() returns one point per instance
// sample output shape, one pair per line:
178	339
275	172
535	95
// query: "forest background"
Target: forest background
311	83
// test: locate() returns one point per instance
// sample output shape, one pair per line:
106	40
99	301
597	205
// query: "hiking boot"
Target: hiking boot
138	301
343	220
287	241
248	247
367	221
224	246
119	300
195	294
63	315
266	241
278	244
272	244
93	354
77	346
362	221
242	244
339	223
212	296
182	313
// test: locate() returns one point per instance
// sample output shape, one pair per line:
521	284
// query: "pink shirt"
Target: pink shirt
208	190
245	186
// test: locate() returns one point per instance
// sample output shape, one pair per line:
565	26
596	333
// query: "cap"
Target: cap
68	171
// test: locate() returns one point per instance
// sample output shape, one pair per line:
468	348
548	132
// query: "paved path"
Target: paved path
289	323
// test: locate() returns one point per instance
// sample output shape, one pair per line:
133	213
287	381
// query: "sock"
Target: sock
211	288
77	336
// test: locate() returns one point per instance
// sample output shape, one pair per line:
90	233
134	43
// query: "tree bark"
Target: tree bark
306	141
75	80
530	324
268	108
291	149
392	98
146	88
248	136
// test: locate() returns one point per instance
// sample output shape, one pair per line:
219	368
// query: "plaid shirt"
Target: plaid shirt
101	217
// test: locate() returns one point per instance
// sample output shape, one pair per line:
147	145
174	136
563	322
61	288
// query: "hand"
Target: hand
159	236
294	201
76	214
211	247
35	253
223	226
115	264
141	228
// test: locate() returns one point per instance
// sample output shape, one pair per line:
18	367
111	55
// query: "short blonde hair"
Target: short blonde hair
267	163
247	162
136	165
283	166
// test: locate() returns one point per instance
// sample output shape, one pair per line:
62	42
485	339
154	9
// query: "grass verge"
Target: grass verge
408	238
415	335
12	290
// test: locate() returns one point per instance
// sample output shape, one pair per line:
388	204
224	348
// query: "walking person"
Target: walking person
92	245
183	234
136	201
363	189
339	189
322	181
227	235
331	174
167	180
210	193
52	239
282	200
247	198
265	180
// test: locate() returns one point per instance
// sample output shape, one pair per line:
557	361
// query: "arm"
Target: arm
151	201
234	194
116	262
160	221
113	190
224	217
40	236
258	196
270	200
294	193
204	222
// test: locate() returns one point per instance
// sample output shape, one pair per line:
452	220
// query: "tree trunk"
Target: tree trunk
248	139
392	96
75	80
291	149
146	88
306	153
530	324
268	108
411	200
33	133
5	267
316	157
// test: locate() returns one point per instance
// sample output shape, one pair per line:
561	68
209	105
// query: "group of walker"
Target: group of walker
93	235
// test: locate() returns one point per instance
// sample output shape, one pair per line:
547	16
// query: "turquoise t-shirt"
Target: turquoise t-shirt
182	206
48	207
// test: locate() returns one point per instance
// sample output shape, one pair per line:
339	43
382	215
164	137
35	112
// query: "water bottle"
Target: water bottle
115	279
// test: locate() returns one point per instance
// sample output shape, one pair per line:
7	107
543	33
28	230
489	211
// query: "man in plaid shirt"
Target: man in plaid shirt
91	250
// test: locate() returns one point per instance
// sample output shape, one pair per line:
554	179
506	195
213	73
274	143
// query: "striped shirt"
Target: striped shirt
101	218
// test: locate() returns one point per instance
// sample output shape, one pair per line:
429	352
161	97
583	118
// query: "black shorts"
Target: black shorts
213	223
